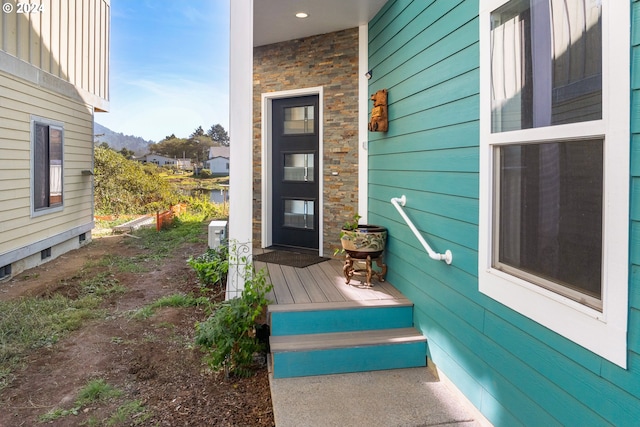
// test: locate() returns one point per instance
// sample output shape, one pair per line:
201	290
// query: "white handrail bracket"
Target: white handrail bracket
447	257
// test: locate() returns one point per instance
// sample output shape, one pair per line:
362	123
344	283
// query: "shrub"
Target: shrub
212	266
124	186
205	174
206	207
229	335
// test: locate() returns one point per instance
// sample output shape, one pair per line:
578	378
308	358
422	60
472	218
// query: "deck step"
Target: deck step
351	316
341	352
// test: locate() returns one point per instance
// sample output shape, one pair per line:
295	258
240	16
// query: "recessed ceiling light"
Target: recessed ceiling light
302	15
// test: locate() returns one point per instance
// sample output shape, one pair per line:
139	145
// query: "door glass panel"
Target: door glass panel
298	167
299	120
298	213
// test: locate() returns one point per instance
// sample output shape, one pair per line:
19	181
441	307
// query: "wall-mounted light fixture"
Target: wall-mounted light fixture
369	74
302	15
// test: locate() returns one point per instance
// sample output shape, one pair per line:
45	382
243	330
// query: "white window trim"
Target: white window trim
604	333
48	122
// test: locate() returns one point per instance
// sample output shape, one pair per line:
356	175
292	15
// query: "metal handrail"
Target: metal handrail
398	202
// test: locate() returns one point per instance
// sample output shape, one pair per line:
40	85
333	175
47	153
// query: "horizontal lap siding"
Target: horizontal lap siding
18	101
514	370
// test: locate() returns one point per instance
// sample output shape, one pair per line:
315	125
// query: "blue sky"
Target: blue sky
169	67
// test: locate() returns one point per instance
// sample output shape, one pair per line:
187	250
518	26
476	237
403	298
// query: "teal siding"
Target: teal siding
425	52
340	320
291	364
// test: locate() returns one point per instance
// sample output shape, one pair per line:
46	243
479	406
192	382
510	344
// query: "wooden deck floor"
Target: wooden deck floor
322	283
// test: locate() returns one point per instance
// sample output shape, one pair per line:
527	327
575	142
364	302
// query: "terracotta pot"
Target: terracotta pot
366	240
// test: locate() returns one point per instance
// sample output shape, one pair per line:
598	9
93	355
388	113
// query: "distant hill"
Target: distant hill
118	141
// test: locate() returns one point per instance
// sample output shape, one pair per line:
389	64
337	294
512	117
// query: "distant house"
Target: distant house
182	164
218	165
158	160
219	152
54	76
218	162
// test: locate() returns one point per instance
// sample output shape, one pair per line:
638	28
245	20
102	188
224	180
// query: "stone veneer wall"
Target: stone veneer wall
330	61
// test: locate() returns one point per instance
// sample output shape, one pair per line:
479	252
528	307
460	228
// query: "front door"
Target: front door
295	201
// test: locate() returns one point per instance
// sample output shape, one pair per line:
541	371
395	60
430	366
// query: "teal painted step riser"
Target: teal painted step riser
344	360
328	321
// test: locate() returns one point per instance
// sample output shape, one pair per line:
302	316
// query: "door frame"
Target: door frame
267	161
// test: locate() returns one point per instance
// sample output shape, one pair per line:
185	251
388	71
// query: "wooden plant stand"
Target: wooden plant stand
368	272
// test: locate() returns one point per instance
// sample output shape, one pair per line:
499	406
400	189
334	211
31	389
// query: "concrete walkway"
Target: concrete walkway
400	397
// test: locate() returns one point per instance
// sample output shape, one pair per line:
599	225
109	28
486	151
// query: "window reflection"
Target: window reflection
298	167
299	214
546	63
299	120
549	198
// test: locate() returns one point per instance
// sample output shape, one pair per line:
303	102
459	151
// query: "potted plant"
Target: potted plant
362	240
364	243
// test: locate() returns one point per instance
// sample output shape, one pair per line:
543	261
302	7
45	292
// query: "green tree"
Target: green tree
171	147
218	134
127	187
198	132
195	147
200	145
126	153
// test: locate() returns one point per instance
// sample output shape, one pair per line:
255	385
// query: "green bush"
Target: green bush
205	174
212	266
124	186
229	335
208	209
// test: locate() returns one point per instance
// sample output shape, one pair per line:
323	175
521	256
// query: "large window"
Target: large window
47	171
554	165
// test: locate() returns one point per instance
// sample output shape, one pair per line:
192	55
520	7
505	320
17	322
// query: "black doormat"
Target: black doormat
293	259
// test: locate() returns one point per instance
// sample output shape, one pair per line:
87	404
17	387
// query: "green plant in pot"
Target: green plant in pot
362	240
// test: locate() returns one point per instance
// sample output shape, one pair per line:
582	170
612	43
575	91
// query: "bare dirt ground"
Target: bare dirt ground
152	360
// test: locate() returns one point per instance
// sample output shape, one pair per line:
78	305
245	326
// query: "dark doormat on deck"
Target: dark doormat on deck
293	259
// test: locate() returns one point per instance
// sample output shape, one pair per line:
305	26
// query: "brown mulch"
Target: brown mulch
152	361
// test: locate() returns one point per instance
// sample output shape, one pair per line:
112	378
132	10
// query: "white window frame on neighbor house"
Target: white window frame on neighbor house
58	126
604	331
267	157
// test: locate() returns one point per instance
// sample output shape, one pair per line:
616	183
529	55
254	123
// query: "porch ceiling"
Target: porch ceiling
275	21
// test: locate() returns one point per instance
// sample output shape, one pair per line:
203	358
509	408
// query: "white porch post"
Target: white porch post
240	133
363	121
